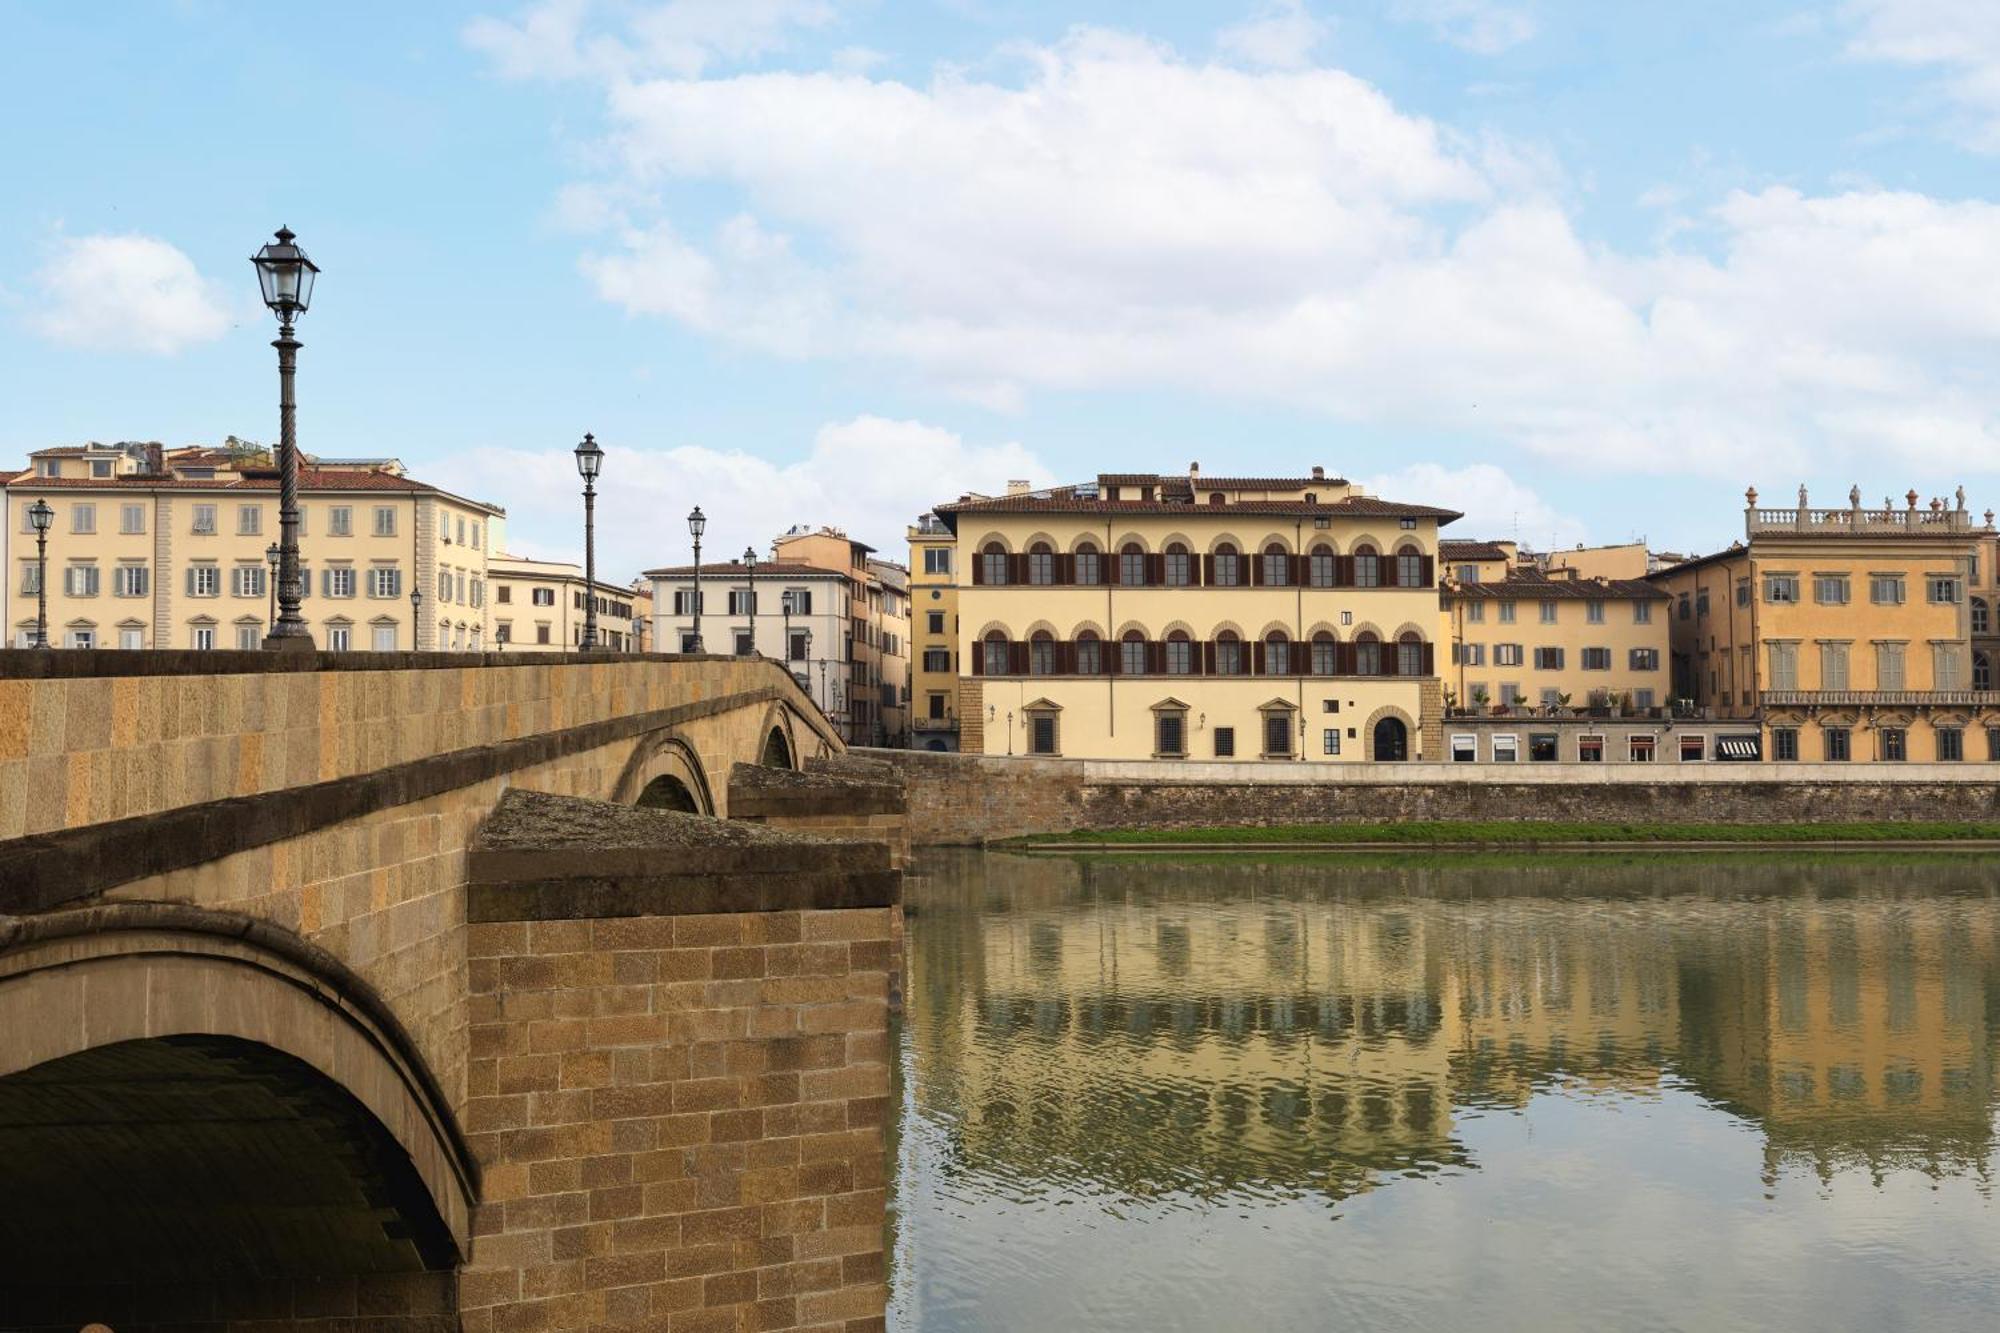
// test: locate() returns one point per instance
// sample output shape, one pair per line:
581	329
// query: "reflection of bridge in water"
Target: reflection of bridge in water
1155	1026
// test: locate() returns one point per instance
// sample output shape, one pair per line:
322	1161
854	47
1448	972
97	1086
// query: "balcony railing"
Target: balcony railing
1858	522
1881	698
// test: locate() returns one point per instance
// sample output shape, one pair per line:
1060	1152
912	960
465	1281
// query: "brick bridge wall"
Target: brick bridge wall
964	799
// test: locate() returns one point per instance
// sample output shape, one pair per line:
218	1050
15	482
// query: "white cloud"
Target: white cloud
565	39
1121	217
1497	506
126	293
1281	35
873	474
1478	26
1958	39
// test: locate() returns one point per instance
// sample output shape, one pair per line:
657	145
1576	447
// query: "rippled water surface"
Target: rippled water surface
1613	1092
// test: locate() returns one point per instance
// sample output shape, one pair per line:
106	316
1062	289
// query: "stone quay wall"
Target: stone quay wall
969	800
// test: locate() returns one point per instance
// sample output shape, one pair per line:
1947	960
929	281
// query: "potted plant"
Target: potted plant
1562	703
1479	698
1450	702
1615	701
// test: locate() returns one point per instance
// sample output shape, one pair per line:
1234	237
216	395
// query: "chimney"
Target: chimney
1019	487
1194	470
156	459
1319	473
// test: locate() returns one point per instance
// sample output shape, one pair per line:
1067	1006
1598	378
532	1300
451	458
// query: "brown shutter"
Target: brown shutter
1429	572
1156	658
979	658
1343	656
1208	571
978	569
1256	570
1300	570
1065	569
1017	568
1156	570
1257	657
1208	657
1343	573
1017	655
1429	669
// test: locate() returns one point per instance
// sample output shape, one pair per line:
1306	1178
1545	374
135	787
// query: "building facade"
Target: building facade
538	606
171	548
1147	616
934	665
893	635
1842	635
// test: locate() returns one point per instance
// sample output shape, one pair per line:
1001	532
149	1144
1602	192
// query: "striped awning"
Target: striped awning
1738	747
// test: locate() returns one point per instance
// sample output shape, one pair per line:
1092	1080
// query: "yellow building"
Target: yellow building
893	639
538	607
1183	616
933	636
1843	634
158	548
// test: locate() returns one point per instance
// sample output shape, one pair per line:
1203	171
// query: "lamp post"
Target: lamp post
589	458
696	522
271	554
286	276
785	644
750	573
40	517
416	614
805	656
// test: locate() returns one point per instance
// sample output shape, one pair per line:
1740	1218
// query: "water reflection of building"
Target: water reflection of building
1154	1027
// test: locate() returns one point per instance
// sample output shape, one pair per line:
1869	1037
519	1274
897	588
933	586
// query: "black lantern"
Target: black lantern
589	458
416	614
285	274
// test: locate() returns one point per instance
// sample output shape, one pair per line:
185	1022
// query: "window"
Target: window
1329	740
1506	749
383	639
1993	742
246	581
80	581
1089	654
742	602
1982	672
1885	589
1471	654
547	597
339	581
685	601
1180	654
1277	735
1599	659
1590	749
1780	588
1642	613
994	654
204	581
542	635
1943	589
1367	654
993	565
1464	748
1889	666
1982	616
1089	568
204	520
1836	743
1895	744
203	637
1277	654
1507	611
937	560
1833	666
744	646
1132	565
83	638
1041	655
131	518
1277	566
130	637
934	622
1409	655
31	578
1325	656
249	637
1641	749
1950	744
1785	744
1409	568
340	521
1367	567
100	467
1170	734
305	581
1548	659
1548	613
1225	742
1684	606
1506	654
1468	573
1593	613
1510	693
1132	653
1475	613
1638	659
1542	747
1320	567
1228	654
83	518
795	651
1041	565
935	707
1642	700
1830	589
339	638
386	581
1784	666
1694	749
249	520
130	581
1947	666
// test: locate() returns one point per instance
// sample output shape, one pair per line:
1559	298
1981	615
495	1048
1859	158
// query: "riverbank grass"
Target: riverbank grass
1519	833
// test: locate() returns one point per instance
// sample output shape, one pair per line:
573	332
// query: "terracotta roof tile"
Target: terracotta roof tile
1366	505
1471	550
1537	587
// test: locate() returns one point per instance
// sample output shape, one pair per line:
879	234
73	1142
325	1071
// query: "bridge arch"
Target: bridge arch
665	773
204	1094
779	747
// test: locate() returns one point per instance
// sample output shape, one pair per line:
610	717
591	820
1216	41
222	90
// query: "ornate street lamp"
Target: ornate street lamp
750	574
40	517
286	276
804	676
697	521
785	644
589	459
416	613
271	555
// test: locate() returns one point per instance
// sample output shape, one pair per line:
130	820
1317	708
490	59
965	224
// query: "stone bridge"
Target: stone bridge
382	991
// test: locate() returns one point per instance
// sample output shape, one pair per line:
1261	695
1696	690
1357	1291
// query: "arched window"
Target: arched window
1277	566
1089	568
1325	656
1320	567
1180	654
1132	653
1982	616
1228	654
1041	564
1409	568
1180	566
995	652
1217	498
1277	654
1982	672
1132	565
1228	567
1089	654
993	564
1410	654
1367	567
1367	653
1042	654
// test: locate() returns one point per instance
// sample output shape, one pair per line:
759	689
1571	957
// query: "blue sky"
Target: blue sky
1583	270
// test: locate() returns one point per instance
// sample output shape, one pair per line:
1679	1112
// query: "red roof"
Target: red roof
1470	550
1366	505
1539	587
735	569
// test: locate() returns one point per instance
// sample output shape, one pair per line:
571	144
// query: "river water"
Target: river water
1627	1091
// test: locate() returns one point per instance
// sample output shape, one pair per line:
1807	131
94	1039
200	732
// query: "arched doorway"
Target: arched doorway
1392	740
668	792
777	750
936	746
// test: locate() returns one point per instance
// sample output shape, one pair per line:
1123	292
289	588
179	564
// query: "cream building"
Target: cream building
1841	635
894	658
1147	616
160	548
538	606
933	635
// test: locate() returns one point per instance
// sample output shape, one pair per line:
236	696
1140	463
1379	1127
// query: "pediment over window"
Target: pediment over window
1277	706
1042	706
1170	705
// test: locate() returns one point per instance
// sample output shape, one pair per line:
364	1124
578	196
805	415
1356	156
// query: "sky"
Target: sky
1583	271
